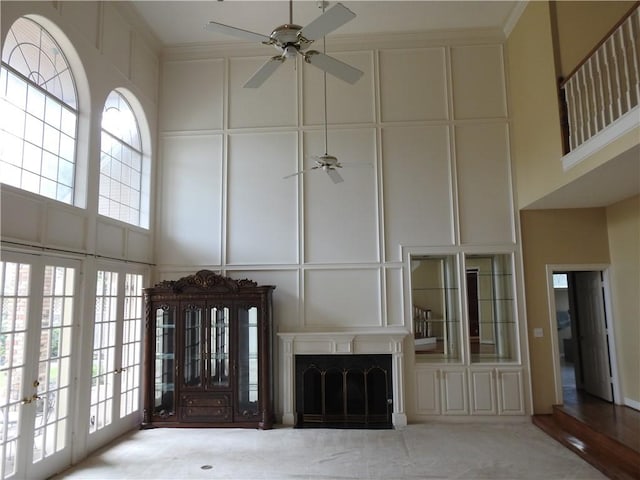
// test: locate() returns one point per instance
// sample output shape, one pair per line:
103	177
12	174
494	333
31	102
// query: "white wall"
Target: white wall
428	117
107	49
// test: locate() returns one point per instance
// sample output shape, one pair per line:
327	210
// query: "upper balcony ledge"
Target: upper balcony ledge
623	125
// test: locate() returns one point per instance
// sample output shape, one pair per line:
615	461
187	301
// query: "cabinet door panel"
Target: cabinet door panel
483	397
510	392
454	389
247	370
164	362
219	347
193	346
428	392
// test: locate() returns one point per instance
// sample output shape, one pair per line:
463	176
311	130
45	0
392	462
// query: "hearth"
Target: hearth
344	391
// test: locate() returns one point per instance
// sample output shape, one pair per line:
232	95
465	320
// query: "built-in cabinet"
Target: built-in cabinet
208	353
465	332
474	391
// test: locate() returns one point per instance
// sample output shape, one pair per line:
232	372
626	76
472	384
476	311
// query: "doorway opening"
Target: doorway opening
584	343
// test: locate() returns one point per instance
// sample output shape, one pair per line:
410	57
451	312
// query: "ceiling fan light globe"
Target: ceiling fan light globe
290	51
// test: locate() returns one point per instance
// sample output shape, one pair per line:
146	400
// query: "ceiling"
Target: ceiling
391	16
181	22
605	185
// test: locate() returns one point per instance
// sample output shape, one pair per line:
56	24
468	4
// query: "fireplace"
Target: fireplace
344	391
382	352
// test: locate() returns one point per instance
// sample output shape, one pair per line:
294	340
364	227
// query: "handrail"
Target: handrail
600	43
605	86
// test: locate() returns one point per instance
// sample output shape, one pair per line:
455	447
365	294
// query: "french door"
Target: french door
37	358
116	362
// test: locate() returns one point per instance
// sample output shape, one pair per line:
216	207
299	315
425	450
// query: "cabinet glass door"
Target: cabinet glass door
493	336
435	307
193	346
164	382
219	347
247	372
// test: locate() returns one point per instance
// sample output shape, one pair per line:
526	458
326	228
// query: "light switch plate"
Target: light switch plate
537	332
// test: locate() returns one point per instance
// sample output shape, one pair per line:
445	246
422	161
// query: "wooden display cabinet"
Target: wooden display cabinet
208	353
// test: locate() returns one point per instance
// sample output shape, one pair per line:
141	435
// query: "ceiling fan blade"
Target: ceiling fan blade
330	20
294	174
333	66
334	175
264	72
301	172
236	32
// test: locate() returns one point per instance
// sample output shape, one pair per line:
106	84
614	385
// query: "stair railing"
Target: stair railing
604	86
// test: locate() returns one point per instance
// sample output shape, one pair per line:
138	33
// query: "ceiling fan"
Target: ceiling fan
291	39
328	163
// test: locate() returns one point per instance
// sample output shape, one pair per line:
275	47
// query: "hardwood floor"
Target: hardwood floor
604	434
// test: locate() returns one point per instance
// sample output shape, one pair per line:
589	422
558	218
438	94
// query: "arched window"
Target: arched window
122	173
38	114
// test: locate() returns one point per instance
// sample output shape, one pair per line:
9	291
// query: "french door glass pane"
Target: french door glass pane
50	434
14	295
131	338
104	341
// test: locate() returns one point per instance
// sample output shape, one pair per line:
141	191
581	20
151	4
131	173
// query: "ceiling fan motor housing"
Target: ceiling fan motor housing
288	36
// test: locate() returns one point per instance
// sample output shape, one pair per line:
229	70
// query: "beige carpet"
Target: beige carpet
425	451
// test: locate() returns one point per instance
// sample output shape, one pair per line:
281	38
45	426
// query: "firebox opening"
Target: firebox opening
343	391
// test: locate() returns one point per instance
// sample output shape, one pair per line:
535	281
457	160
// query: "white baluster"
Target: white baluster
601	79
593	101
632	33
624	66
571	113
584	100
616	78
608	78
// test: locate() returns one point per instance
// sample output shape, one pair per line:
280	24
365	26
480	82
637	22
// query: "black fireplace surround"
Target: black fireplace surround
343	391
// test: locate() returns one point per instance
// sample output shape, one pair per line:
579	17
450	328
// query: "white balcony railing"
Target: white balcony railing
605	86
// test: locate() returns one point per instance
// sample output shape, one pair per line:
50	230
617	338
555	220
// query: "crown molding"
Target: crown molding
342	43
514	17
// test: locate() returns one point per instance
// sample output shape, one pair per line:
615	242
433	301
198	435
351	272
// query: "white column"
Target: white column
287	381
398	417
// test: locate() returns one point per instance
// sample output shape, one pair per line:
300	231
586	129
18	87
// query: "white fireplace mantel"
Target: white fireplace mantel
386	341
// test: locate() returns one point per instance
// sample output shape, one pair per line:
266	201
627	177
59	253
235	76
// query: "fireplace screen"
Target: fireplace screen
344	391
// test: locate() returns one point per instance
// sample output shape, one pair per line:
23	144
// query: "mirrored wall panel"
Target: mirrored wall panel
435	307
491	308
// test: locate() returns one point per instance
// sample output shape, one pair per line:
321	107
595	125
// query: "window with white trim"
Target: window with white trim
38	114
121	163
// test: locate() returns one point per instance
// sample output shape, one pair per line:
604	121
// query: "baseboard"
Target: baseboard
632	403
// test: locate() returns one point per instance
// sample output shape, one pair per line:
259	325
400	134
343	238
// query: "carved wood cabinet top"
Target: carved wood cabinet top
206	280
